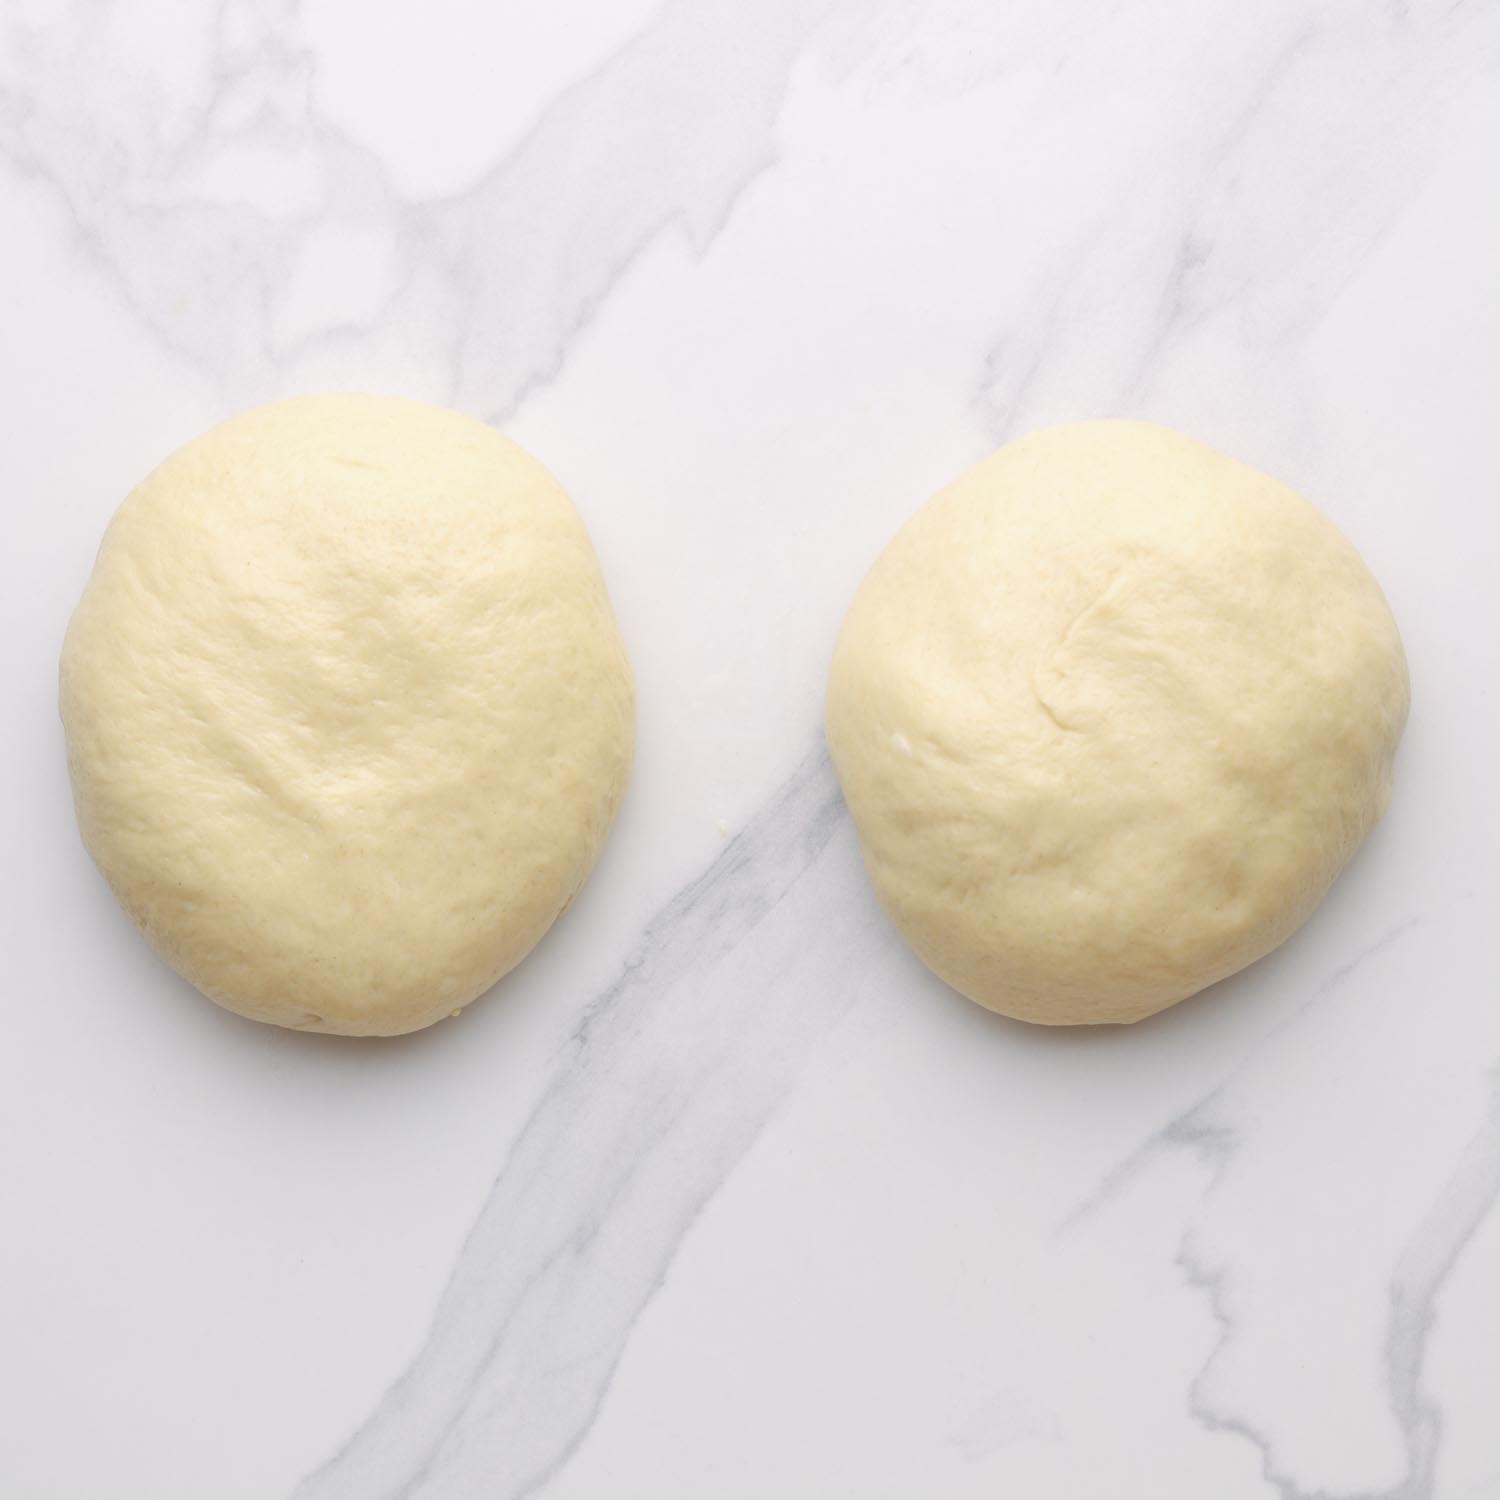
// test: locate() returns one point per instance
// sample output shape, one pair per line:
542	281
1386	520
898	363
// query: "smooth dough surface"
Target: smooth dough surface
348	715
1110	714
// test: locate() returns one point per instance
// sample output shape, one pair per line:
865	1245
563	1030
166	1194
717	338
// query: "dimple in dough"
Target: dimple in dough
1110	713
348	714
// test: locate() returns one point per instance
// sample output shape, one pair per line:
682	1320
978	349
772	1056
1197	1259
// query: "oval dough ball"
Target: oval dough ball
348	715
1110	713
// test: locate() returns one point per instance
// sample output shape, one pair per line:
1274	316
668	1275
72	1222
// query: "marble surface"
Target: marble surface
721	1194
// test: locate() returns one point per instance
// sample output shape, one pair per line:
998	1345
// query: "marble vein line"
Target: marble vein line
1470	1194
1194	1128
621	175
667	1082
498	280
1208	253
1462	1204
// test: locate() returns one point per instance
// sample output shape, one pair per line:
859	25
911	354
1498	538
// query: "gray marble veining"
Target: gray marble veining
671	1075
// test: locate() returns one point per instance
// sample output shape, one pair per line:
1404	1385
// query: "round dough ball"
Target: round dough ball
348	715
1110	713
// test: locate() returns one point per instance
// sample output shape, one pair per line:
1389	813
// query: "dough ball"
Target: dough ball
1110	713
348	715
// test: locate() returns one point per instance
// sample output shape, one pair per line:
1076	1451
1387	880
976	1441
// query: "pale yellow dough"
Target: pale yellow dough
1110	713
348	715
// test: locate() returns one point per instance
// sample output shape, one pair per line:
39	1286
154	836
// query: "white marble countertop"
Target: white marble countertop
721	1194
